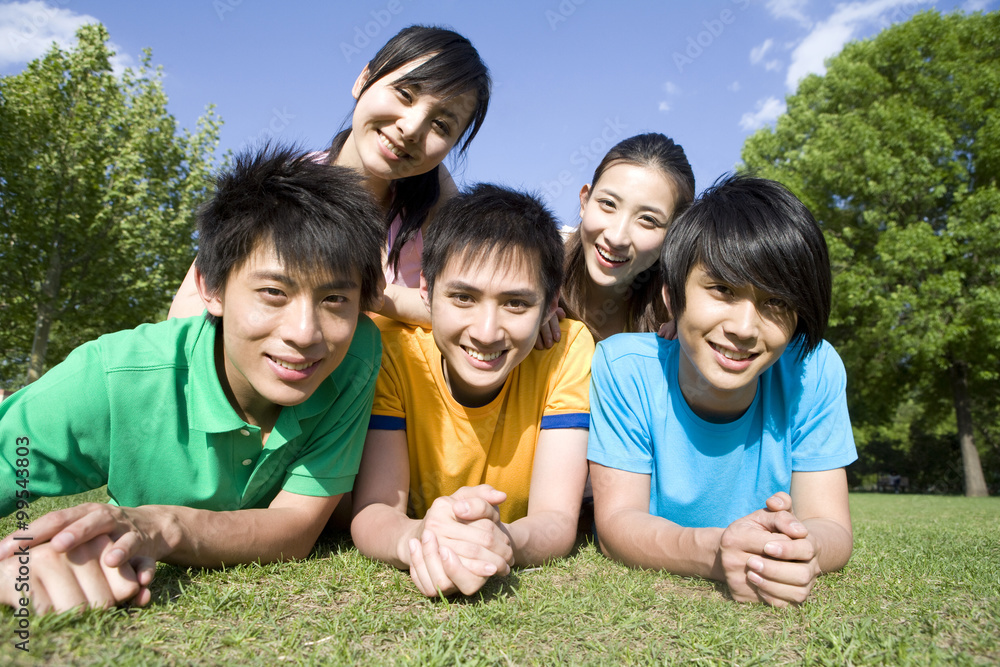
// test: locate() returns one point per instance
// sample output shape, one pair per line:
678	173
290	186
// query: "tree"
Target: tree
97	199
896	150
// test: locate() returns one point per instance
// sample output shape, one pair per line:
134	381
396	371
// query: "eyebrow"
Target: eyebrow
466	287
335	284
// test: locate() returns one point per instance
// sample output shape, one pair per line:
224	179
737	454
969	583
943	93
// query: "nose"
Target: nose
301	326
486	329
412	123
744	320
616	233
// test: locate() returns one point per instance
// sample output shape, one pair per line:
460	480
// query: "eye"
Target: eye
271	293
404	93
518	305
721	290
442	127
607	204
336	299
775	303
461	298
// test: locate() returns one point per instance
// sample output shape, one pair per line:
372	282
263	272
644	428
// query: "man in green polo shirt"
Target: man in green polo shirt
222	439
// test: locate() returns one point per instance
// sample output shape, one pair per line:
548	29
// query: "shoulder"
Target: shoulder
823	363
168	343
366	345
637	346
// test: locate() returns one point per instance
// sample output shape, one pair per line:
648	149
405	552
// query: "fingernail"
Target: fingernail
462	507
754	578
414	545
795	525
772	549
117	555
755	563
444	553
426	537
490	569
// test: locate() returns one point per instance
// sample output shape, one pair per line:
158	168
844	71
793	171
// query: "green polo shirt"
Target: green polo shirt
143	411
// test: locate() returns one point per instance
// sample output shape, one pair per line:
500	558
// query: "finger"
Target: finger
440	582
418	570
779	594
791	550
482	540
779	501
474	509
52	570
484	491
100	520
787	524
42	530
124	549
145	570
781	580
142	598
467	581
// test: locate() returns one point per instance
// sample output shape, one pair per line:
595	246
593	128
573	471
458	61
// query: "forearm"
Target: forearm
204	538
383	533
187	302
540	537
642	540
832	541
404	304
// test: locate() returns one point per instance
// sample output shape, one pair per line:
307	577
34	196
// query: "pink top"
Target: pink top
409	258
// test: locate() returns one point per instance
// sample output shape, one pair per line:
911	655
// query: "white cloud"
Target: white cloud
734	87
790	9
27	30
772	65
671	88
767	112
664	106
975	5
828	37
757	53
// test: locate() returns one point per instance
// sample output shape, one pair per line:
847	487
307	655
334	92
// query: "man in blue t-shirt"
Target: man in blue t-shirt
721	454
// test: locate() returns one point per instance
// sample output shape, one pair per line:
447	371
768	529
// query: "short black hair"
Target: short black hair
746	230
318	217
487	220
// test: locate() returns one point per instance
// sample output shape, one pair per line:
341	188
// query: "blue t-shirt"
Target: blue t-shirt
706	474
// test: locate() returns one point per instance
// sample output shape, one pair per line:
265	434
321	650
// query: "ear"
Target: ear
425	293
360	83
666	300
584	197
213	300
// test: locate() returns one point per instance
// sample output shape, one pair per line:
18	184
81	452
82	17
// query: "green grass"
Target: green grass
923	588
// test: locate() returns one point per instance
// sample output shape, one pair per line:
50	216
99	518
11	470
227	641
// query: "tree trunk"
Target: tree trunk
44	314
975	483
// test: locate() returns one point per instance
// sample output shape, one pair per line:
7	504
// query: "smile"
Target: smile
729	354
392	147
294	367
607	256
479	356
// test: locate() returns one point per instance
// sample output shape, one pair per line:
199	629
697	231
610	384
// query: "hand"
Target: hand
766	556
59	581
468	524
549	333
133	530
668	330
436	570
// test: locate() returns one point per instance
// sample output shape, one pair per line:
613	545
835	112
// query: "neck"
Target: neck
348	157
605	309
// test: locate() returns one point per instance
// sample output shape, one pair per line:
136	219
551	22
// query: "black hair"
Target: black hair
644	308
487	220
746	230
453	68
317	216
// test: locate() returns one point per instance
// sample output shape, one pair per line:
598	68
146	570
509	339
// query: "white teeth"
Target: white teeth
388	144
292	367
735	356
608	256
480	356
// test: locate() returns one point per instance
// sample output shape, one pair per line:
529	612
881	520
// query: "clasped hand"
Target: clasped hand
767	556
461	543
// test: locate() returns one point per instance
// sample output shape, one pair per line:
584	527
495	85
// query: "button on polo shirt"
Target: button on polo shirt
144	412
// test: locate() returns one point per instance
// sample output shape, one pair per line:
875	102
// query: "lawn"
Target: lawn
923	588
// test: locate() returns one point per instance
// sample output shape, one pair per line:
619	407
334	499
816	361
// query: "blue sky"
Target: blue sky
572	77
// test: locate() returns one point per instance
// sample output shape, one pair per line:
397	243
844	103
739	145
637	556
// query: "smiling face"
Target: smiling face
398	130
624	220
282	333
728	336
485	317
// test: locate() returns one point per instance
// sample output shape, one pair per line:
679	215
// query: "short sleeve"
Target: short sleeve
330	468
568	402
619	429
388	410
61	424
822	438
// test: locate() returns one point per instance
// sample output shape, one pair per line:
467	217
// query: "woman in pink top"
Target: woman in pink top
423	93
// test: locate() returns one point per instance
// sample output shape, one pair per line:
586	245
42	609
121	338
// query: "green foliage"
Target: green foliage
895	150
98	192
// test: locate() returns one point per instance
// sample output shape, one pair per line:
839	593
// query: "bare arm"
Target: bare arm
558	475
187	302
